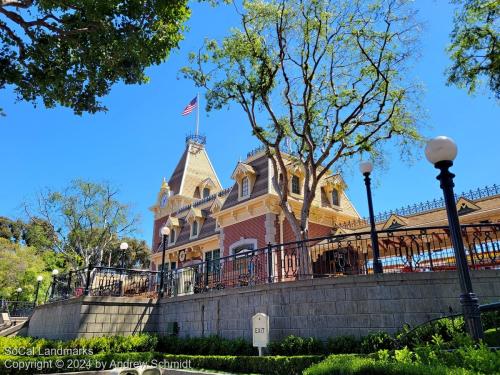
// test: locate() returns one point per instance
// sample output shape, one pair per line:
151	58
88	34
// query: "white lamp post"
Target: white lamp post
441	151
123	248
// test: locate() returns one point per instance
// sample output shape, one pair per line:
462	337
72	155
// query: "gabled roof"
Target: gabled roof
335	180
242	168
259	166
395	221
466	206
194	213
173	222
207	182
216	205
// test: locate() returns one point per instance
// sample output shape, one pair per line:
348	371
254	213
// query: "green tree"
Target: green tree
72	52
37	233
19	267
136	256
11	230
474	48
87	219
330	76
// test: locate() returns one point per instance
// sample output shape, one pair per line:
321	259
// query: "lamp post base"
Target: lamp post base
472	315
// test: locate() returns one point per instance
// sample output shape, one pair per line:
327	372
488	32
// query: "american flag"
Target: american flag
189	108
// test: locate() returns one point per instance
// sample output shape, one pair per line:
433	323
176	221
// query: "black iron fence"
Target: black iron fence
402	250
103	281
17	308
426	249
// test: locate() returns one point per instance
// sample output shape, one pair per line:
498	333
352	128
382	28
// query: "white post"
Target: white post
197	112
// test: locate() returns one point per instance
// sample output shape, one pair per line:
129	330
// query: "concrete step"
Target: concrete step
17	325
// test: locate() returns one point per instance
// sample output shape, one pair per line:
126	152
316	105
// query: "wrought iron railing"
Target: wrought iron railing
417	208
196	138
17	308
401	250
103	281
109	281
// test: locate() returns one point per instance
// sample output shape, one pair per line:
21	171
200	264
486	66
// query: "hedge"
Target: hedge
351	364
210	345
273	365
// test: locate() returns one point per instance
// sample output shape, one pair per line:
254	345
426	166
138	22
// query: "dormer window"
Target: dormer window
332	188
244	187
195	218
204	189
172	236
295	184
245	177
194	229
175	227
335	197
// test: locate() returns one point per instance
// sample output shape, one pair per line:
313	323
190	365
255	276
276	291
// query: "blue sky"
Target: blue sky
142	136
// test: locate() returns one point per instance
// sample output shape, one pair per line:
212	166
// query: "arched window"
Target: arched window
194	229
335	197
295	185
243	261
245	187
206	192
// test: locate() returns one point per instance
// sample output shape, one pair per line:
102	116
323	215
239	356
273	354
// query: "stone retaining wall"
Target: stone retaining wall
354	305
94	316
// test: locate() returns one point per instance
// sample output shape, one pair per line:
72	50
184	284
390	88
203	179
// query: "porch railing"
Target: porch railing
425	249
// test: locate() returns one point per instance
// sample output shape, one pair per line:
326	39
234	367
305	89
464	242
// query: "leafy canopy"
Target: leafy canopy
88	220
72	52
326	79
474	48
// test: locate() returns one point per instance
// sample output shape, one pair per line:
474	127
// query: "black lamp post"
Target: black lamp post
18	295
366	168
54	276
38	282
165	231
441	151
123	248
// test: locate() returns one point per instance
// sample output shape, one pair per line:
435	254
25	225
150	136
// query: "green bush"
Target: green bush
343	345
211	345
350	364
446	328
293	345
377	341
478	359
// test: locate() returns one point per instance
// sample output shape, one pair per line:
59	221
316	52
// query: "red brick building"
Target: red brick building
209	222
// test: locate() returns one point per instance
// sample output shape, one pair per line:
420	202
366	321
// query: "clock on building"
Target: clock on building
163	200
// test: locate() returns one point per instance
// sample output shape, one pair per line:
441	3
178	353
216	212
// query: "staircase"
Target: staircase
12	326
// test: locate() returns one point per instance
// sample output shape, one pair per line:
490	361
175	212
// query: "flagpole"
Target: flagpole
197	112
